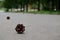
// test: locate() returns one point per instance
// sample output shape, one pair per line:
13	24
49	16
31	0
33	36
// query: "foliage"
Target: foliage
49	5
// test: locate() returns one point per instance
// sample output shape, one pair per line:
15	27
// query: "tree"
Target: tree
26	3
38	5
7	4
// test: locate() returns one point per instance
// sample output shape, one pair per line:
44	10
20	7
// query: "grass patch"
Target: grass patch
38	12
45	12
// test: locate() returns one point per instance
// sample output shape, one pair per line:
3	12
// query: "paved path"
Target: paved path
38	27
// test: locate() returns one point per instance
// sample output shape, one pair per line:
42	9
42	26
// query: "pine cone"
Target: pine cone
20	28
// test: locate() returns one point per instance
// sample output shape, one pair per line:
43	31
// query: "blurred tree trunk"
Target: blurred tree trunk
7	10
21	7
38	5
52	5
11	9
27	5
58	5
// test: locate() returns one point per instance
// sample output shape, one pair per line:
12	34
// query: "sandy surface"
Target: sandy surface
38	27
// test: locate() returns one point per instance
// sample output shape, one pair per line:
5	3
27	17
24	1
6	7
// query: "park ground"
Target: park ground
37	26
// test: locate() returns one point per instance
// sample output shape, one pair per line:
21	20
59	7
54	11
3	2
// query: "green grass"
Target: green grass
45	12
39	12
